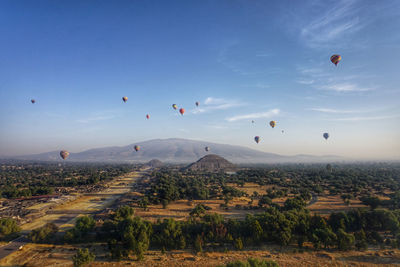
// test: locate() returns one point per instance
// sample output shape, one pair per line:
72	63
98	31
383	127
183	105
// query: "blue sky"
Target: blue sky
261	61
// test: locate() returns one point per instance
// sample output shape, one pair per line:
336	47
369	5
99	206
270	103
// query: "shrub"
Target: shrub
83	257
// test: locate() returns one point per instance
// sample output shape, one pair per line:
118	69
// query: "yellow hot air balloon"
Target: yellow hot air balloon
124	98
272	123
174	106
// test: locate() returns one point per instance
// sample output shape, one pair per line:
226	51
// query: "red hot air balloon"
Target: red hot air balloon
136	147
182	111
64	154
147	116
33	101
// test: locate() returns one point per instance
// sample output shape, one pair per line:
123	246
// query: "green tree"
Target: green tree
198	244
43	234
83	257
134	235
361	240
238	243
345	241
124	212
8	228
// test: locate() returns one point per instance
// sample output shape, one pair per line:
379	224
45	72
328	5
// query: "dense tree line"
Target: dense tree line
290	224
166	186
350	181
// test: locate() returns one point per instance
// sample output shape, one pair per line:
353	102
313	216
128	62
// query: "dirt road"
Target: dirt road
64	215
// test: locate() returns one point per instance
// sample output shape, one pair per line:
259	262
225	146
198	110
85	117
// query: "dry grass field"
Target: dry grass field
34	255
328	204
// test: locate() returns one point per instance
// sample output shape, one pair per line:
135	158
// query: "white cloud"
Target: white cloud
345	87
333	111
212	103
266	114
307	82
342	18
367	118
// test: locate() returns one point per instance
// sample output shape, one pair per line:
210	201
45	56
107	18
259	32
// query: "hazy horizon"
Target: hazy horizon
242	62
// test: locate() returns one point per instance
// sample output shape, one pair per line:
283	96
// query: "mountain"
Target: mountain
176	150
212	163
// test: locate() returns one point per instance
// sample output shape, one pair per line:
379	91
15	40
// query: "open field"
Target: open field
328	204
55	255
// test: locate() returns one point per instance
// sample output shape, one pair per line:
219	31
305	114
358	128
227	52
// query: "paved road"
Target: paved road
65	215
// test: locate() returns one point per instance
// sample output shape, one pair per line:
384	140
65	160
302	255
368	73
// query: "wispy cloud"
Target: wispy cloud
342	18
307	82
367	118
333	111
99	116
212	103
345	87
267	114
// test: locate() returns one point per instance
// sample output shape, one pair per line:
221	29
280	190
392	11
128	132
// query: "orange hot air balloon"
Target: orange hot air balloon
64	154
136	147
174	106
335	59
272	123
182	111
33	101
124	98
148	116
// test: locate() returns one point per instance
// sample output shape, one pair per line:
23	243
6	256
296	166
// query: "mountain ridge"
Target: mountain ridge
176	150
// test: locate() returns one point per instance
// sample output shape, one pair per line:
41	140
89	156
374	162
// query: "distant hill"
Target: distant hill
212	163
176	150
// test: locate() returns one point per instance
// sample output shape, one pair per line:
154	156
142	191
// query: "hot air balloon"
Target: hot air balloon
33	101
147	116
136	147
335	59
174	106
182	110
124	98
64	154
257	139
283	131
326	136
272	123
197	104
252	121
207	148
